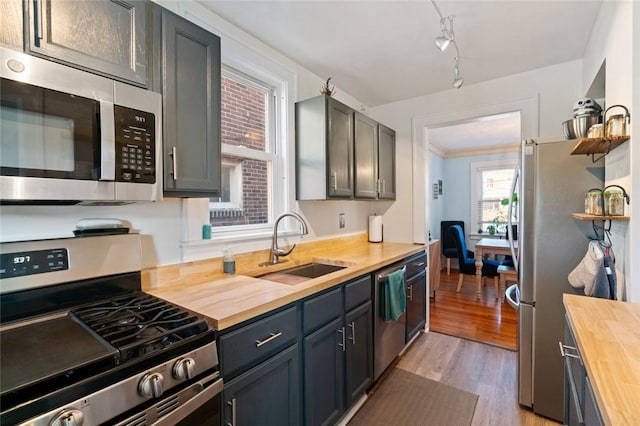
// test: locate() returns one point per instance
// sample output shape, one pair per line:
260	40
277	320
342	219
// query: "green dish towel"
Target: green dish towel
395	297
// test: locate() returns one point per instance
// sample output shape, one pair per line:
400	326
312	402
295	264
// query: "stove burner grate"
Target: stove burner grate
139	325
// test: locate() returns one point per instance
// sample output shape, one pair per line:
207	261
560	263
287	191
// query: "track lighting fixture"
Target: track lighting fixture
445	40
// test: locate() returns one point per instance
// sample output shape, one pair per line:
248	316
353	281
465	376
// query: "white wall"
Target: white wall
544	96
437	206
170	239
614	40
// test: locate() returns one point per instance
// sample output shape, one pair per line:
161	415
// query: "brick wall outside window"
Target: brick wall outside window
243	123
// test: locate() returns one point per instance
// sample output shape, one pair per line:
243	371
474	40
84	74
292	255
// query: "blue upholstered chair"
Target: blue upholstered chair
449	249
468	263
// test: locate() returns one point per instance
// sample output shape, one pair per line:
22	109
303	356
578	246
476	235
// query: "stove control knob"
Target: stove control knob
151	385
184	369
68	418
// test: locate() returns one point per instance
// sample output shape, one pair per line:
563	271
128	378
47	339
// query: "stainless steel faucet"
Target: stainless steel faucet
276	252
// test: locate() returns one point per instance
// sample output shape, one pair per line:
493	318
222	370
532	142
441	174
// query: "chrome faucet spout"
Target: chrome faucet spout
276	251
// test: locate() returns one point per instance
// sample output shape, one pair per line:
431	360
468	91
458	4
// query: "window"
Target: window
491	183
249	152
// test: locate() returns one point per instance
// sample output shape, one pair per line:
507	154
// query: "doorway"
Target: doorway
455	150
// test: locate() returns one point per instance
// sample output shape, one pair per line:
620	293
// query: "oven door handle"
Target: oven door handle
209	390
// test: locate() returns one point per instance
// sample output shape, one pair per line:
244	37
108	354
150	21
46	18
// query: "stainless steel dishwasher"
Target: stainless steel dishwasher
389	337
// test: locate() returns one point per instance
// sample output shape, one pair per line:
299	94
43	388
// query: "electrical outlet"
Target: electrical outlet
341	220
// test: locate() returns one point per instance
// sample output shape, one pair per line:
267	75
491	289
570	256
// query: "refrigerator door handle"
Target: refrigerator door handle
512	294
514	255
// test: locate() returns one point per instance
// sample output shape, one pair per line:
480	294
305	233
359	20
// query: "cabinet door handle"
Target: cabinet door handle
567	354
343	344
352	325
174	162
334	178
384	186
37	21
268	339
410	295
232	404
574	391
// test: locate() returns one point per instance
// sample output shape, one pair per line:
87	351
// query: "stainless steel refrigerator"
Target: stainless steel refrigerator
553	184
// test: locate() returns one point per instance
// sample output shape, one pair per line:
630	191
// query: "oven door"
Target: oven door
56	131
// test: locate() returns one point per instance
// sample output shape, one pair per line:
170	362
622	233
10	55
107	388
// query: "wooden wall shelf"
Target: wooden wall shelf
598	145
591	217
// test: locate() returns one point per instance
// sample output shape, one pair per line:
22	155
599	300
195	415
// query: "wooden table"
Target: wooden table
493	246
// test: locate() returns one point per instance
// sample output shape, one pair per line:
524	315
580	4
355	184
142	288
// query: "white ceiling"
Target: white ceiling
383	51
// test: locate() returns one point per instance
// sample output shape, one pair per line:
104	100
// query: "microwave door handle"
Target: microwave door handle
107	142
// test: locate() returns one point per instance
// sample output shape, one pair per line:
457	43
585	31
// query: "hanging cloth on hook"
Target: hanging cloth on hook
595	272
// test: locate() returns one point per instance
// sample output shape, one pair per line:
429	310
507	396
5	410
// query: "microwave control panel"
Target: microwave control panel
135	145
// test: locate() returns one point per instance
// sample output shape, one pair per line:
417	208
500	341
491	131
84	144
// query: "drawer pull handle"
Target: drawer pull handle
268	339
567	354
419	264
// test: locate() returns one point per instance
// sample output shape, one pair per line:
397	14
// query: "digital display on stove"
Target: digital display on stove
33	262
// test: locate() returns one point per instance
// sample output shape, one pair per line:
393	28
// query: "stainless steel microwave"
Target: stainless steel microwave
68	136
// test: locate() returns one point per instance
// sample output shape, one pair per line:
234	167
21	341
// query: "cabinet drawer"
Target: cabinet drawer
357	292
321	309
416	264
257	341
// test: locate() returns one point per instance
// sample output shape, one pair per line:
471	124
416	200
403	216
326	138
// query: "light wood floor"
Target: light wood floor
461	315
488	371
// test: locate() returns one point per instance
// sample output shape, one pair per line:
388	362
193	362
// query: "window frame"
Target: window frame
476	168
277	143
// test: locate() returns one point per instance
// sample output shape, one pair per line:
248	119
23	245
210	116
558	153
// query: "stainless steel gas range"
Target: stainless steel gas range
81	344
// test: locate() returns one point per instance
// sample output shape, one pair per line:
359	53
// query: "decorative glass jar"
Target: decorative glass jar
614	202
594	205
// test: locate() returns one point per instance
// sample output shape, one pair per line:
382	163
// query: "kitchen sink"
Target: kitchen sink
301	273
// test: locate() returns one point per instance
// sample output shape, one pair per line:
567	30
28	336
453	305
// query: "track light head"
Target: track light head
447	38
457	80
442	43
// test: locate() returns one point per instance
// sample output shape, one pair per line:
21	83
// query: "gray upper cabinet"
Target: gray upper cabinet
106	37
375	159
324	149
366	157
386	163
341	153
189	58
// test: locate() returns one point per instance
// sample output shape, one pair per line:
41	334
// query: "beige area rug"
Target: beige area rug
406	399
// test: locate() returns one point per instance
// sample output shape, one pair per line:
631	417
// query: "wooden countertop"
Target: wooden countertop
228	300
608	336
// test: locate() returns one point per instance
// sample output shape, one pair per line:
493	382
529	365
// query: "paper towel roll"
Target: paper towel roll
375	229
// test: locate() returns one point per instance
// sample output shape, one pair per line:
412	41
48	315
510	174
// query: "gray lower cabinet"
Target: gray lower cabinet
108	37
260	364
324	149
268	394
580	406
337	350
416	289
189	58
